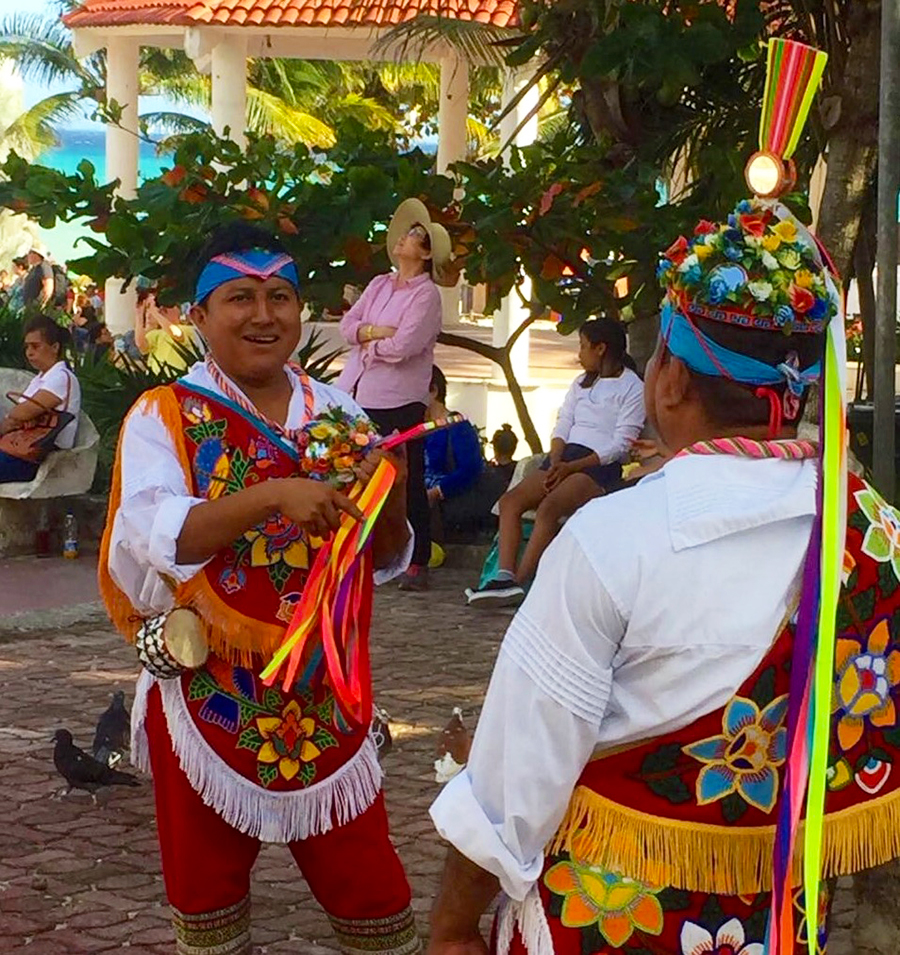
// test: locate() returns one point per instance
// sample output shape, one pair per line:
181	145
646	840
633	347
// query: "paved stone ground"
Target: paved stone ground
75	877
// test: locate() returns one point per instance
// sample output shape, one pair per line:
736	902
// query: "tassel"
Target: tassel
793	74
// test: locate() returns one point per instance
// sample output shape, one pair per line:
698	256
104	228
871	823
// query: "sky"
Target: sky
33	92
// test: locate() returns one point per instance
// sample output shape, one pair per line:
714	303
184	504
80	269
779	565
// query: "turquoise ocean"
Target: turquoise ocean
74	146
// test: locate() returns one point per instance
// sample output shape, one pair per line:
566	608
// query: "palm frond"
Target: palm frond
397	78
365	110
41	48
33	131
475	42
167	124
268	114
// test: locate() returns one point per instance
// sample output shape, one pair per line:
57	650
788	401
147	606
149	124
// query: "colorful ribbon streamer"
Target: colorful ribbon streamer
331	621
793	74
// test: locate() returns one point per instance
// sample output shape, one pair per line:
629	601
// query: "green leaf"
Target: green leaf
323	739
279	574
733	807
250	739
202	685
248	711
887	579
272	700
267	773
674	900
865	604
307	773
240	464
661	760
763	691
672	788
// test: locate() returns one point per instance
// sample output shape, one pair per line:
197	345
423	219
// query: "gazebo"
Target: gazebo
220	35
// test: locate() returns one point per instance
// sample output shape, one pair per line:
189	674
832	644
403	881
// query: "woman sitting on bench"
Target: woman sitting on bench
601	417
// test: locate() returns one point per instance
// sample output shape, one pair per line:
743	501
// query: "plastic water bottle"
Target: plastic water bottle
70	536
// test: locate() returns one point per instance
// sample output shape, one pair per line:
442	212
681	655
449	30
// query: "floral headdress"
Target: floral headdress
757	270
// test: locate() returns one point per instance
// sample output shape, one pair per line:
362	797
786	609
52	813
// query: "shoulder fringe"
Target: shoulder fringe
733	860
529	918
269	816
233	637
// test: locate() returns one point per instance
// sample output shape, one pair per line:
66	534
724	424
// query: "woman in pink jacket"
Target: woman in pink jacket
392	329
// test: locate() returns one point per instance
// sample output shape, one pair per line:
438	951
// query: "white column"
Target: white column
512	312
229	86
453	111
122	56
453	114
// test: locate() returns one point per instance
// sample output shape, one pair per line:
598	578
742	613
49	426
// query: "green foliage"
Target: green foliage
12	341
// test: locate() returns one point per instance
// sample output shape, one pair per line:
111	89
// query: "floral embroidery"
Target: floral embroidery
848	568
864	680
287	740
285	736
196	410
287	606
212	467
262	453
277	541
744	758
731	939
839	776
882	540
873	774
232	579
592	895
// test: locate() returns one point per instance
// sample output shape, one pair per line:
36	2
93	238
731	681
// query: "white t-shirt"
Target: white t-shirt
607	417
59	381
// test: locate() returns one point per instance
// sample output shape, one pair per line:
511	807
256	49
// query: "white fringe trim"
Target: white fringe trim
269	816
529	917
140	747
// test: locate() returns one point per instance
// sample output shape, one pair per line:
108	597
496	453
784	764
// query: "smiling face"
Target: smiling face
252	327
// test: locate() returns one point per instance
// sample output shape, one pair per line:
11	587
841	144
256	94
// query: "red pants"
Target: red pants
352	870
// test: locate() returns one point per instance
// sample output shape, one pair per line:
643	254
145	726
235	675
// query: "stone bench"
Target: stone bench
66	472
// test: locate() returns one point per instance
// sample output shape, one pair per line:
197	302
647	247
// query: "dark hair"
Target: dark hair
438	384
21	261
94	330
609	332
51	332
730	404
89	313
505	440
235	237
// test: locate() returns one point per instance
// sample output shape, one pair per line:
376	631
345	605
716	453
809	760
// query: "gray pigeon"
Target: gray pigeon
82	771
113	731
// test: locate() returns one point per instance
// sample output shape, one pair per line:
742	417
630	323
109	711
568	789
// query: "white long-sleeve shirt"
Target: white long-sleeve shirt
649	610
607	417
156	499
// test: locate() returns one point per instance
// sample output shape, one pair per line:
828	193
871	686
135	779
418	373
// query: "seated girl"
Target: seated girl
601	417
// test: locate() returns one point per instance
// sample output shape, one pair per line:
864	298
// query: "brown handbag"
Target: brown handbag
35	439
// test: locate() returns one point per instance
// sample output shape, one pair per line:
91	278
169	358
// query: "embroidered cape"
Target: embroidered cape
694	809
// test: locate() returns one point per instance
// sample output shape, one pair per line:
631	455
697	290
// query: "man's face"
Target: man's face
252	327
34	258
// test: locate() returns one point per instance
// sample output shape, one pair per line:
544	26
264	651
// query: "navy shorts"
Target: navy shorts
606	476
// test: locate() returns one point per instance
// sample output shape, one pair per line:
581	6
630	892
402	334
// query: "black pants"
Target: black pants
399	419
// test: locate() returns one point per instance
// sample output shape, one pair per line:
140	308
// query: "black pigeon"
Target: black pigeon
113	731
82	771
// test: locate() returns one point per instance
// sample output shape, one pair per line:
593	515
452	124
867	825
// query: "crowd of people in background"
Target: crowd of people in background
455	491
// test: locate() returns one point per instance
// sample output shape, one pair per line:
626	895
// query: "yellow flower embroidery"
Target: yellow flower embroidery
786	231
593	895
771	242
865	679
287	740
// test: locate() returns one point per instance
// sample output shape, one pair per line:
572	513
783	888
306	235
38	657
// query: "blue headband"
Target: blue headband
706	357
257	263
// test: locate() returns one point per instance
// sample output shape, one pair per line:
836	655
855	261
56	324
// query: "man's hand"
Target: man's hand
366	468
382	331
435	494
314	505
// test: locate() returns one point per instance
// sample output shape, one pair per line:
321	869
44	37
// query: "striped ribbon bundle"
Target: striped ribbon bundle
793	74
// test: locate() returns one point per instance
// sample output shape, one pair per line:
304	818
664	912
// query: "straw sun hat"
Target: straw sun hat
412	212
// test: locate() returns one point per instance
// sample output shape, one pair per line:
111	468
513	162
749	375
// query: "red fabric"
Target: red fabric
353	870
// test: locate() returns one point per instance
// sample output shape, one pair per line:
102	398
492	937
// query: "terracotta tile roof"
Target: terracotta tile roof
346	13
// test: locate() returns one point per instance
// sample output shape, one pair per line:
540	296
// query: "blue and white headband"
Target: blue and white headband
257	263
707	357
